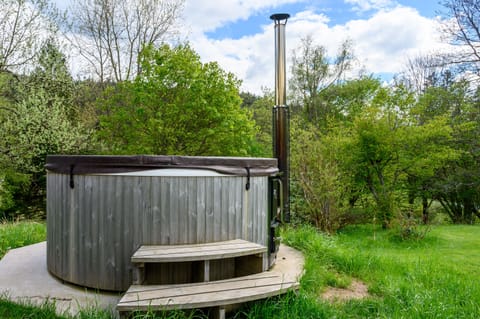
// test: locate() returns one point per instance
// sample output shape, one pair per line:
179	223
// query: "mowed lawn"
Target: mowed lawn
436	277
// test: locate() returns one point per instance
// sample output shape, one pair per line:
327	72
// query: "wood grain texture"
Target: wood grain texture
207	251
94	228
201	295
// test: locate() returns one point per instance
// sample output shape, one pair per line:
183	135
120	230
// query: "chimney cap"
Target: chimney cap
279	16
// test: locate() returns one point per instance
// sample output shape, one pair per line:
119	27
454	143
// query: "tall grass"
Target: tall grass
19	234
437	277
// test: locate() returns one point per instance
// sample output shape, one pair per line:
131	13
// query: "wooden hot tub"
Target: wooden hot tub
100	209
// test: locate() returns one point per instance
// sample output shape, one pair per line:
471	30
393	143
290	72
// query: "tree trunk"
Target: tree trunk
425	214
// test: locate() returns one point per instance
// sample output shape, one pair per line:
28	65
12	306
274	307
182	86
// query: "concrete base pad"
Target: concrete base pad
289	262
24	278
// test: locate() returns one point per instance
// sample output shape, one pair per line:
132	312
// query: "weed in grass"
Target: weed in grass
338	280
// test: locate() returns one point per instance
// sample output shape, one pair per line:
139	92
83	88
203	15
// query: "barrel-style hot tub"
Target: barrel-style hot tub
100	209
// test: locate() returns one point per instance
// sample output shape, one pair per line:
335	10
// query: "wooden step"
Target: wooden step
219	294
206	252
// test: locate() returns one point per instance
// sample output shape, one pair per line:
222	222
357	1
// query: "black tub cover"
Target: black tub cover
98	164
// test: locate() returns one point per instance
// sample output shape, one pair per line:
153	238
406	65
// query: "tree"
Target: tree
456	186
427	150
24	25
317	179
463	27
388	153
36	120
35	127
177	106
425	71
374	148
109	34
51	74
431	80
454	183
313	72
348	98
248	99
261	110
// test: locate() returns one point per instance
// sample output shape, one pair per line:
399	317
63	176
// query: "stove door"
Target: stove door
275	216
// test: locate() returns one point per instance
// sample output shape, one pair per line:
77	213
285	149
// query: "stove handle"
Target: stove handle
280	208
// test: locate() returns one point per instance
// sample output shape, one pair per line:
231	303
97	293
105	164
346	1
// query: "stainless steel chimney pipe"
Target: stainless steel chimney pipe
281	140
280	20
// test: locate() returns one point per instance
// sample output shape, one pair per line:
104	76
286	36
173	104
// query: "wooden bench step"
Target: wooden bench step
201	295
243	251
196	252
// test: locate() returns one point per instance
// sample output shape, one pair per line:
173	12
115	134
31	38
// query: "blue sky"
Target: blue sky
339	12
239	34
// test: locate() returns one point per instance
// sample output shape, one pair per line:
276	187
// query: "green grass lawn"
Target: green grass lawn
437	277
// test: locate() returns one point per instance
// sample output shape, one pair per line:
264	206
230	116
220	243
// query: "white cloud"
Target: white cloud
207	15
368	5
381	43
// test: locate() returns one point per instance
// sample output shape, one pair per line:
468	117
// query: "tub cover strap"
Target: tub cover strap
72	183
247	186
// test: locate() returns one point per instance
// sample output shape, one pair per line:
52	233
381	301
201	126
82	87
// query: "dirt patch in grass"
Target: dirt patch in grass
356	290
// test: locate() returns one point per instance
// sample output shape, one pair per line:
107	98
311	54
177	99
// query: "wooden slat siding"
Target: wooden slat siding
94	234
178	253
112	246
253	217
153	212
245	206
81	238
200	295
217	218
100	223
164	197
262	200
145	208
238	214
201	211
183	227
72	233
225	209
191	209
209	211
52	221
